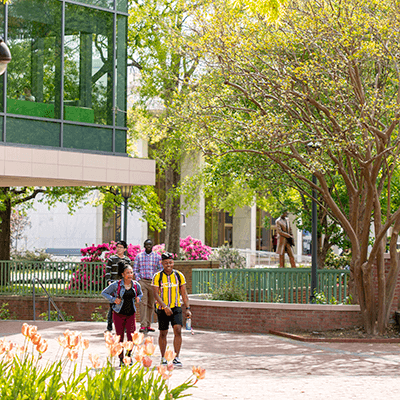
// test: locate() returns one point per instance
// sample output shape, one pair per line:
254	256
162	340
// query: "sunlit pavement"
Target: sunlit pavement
246	366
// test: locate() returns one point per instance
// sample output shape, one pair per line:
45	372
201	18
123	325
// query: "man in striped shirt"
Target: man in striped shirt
168	286
146	265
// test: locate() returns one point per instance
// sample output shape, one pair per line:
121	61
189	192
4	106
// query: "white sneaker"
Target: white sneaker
177	363
164	361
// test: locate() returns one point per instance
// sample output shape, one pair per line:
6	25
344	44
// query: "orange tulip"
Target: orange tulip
128	345
169	355
200	373
62	341
32	330
25	329
137	338
126	360
147	362
170	367
85	344
42	346
94	359
162	370
36	338
149	349
148	340
116	349
73	355
139	354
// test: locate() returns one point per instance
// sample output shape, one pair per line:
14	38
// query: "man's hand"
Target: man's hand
168	311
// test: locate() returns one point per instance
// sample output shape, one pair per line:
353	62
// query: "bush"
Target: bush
229	291
98	315
335	261
229	258
194	249
27	255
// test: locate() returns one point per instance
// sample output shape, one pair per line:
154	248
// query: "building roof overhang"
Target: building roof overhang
27	166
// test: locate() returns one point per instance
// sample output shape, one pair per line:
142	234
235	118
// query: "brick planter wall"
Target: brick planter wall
80	308
263	317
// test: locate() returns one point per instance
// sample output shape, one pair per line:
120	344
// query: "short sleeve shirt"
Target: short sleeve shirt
169	287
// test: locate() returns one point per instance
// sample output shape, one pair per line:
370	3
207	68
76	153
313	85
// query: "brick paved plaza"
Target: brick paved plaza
254	366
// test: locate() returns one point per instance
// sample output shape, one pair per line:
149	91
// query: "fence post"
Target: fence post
49	319
33	299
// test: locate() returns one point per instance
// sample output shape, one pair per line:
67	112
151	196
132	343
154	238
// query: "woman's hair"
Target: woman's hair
122	266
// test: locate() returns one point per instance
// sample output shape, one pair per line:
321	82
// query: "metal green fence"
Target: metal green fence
279	285
74	279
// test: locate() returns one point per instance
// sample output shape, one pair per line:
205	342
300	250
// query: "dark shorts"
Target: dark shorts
164	319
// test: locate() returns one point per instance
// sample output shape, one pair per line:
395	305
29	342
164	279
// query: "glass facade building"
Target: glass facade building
66	84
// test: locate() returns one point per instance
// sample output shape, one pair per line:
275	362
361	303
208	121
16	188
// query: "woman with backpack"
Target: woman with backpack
122	295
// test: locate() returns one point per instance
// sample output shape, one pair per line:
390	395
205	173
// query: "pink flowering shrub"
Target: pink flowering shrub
91	276
194	249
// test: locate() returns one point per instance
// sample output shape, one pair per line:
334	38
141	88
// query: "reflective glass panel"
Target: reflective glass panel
87	138
34	73
88	65
122	5
27	131
120	141
121	89
99	3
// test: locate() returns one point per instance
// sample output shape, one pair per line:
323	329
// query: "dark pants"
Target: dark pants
110	318
124	323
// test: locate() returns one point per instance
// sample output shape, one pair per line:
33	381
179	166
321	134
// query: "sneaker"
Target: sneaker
150	329
164	361
143	330
177	363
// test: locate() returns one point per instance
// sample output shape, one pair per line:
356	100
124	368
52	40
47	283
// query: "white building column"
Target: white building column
193	223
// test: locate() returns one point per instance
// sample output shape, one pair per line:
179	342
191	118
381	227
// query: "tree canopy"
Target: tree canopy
315	94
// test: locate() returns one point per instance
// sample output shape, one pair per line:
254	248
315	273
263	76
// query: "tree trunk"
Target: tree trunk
172	210
5	224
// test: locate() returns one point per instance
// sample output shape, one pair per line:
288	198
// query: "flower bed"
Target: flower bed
22	375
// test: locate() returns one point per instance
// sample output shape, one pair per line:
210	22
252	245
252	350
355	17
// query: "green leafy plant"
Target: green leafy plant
22	375
277	298
54	316
97	315
229	291
229	258
4	312
335	261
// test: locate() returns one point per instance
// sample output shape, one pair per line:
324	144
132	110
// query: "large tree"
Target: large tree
158	36
316	94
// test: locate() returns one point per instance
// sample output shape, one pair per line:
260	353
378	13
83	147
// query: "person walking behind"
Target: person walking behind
112	272
168	286
285	240
145	266
122	295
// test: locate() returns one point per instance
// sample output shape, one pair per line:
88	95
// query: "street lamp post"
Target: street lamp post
314	234
314	245
5	56
126	192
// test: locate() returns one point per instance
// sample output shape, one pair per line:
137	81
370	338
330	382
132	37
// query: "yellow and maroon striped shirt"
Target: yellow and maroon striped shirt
169	287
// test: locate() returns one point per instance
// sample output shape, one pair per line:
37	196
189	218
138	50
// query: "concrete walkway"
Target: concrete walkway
246	366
